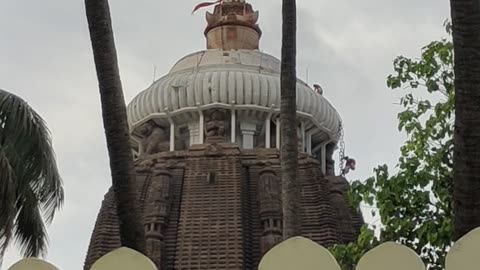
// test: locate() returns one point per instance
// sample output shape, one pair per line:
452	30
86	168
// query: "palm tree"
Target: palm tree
30	186
132	234
466	41
288	122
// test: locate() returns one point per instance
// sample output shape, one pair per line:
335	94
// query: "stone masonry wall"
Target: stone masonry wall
217	207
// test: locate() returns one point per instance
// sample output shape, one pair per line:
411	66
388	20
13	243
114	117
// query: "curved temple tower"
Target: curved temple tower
206	137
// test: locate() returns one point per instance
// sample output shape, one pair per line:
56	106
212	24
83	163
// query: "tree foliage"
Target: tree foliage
30	186
414	201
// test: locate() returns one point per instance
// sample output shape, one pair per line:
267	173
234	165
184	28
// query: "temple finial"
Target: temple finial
232	26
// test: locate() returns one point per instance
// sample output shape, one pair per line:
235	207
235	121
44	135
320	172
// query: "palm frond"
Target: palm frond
30	231
27	147
7	202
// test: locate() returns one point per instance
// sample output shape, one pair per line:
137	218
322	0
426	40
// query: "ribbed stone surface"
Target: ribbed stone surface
247	79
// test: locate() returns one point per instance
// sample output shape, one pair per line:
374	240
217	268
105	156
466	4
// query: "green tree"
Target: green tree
414	203
30	186
288	121
132	234
466	158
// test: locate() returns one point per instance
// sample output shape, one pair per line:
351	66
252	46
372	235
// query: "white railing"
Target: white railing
302	254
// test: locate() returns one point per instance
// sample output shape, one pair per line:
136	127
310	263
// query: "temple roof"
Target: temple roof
240	79
233	74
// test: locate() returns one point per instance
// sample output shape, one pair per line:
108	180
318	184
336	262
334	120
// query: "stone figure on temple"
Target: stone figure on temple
154	139
216	123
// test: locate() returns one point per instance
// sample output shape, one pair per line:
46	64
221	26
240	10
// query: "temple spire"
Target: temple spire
232	26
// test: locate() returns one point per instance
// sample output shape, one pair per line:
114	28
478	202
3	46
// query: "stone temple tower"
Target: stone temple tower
206	137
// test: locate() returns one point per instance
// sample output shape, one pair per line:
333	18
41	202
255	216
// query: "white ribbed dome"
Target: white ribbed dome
246	80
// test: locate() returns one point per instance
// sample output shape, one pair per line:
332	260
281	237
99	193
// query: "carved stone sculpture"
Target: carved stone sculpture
154	139
216	124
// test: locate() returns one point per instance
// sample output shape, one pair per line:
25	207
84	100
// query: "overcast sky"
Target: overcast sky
347	46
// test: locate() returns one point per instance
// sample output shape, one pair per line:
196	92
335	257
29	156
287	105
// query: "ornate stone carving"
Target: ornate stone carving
157	208
233	13
270	206
216	125
233	25
154	139
144	165
214	150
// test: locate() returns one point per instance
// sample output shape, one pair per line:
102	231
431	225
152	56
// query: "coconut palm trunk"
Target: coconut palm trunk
115	123
288	121
466	40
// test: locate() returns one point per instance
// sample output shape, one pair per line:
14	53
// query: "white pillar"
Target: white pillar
201	128
248	133
278	133
302	132
324	158
194	131
233	126
268	135
309	143
172	136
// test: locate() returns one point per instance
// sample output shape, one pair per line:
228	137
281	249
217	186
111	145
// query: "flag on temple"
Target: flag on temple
205	4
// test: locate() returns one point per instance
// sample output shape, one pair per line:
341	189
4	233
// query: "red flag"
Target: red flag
205	4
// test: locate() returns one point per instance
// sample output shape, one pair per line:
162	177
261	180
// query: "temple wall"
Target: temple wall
319	219
218	207
210	231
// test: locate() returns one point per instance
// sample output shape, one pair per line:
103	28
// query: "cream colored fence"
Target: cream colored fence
302	254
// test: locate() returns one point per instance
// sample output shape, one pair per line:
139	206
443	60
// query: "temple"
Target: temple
206	141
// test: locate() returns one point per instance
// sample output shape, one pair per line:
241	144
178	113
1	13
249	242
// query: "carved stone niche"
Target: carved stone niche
153	139
270	206
157	209
216	125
